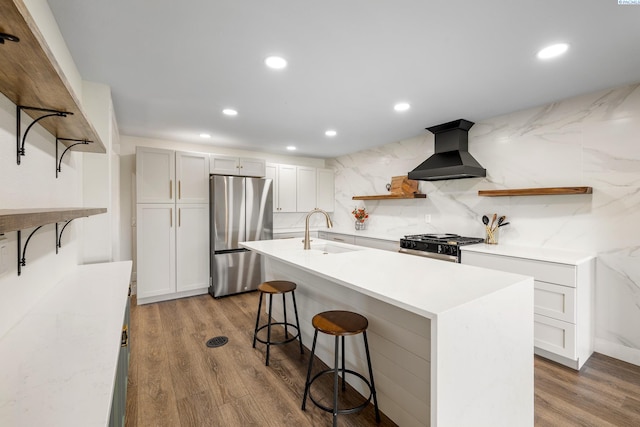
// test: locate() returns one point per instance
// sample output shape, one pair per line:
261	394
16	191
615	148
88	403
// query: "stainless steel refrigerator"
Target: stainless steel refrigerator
241	210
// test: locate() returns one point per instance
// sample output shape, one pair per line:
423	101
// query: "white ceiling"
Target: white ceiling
174	65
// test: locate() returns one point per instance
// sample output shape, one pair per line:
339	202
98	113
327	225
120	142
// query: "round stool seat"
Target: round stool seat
340	323
276	287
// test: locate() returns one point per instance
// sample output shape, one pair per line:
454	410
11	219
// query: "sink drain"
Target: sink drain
217	342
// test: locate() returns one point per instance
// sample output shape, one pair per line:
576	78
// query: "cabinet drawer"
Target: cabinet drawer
555	301
551	272
555	336
343	238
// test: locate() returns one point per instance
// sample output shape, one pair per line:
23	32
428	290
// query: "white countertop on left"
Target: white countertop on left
421	285
59	362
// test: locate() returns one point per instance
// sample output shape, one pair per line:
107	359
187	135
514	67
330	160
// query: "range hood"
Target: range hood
451	159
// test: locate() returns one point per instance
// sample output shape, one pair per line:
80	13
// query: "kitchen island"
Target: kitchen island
451	345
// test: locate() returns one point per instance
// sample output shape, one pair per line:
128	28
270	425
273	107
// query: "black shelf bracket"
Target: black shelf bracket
77	142
20	139
22	251
59	235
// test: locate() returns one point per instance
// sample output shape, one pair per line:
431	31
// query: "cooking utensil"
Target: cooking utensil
493	220
485	220
503	224
501	220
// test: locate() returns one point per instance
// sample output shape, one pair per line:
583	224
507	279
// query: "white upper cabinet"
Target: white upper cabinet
229	165
192	174
301	188
155	175
326	192
305	188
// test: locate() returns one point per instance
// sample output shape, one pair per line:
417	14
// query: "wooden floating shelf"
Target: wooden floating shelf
30	76
390	196
546	191
20	219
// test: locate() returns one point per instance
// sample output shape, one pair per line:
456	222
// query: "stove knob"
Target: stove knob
414	245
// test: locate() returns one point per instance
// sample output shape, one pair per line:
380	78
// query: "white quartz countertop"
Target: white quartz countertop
59	362
537	253
421	285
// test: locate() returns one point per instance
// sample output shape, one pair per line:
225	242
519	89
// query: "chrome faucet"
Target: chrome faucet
307	241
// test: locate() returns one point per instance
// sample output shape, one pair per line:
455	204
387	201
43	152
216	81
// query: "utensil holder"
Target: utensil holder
491	235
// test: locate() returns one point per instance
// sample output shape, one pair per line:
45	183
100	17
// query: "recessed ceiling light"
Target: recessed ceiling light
276	62
331	132
401	106
229	112
553	51
205	135
291	148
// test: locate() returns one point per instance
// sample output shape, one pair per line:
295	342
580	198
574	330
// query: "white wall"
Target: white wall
33	184
591	140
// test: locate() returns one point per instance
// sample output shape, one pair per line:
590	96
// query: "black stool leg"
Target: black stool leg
284	309
335	382
344	373
373	386
255	331
295	310
306	384
269	328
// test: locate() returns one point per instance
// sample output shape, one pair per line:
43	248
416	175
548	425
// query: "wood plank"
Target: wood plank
544	191
156	397
31	76
390	196
20	219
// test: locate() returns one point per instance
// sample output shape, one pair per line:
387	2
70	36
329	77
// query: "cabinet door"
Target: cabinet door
305	189
558	302
326	196
271	172
223	165
156	261
287	188
155	175
252	167
192	174
192	247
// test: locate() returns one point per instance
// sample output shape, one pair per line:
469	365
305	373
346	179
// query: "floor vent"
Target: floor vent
217	342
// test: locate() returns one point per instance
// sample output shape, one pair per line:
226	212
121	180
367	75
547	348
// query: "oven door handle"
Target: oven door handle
442	257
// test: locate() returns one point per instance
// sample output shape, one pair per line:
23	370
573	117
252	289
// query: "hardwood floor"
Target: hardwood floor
175	380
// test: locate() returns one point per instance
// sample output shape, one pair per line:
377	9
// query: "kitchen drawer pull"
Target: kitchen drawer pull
170	189
179	217
337	239
170	217
179	189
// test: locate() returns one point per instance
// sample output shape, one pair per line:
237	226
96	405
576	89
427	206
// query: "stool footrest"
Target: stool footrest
288	340
344	411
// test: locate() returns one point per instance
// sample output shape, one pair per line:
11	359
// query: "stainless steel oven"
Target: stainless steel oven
445	247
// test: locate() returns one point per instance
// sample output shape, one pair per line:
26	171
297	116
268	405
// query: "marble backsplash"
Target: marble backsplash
590	140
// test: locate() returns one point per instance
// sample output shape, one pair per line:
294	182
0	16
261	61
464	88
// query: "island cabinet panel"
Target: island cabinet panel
442	352
337	237
563	297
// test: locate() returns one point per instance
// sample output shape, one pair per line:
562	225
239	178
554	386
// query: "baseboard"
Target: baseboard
618	351
176	295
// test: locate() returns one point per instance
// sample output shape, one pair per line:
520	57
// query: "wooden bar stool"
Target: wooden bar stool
339	324
277	287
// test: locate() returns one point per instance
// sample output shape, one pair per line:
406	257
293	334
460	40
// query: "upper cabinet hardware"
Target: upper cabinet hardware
22	260
59	161
20	139
59	236
10	37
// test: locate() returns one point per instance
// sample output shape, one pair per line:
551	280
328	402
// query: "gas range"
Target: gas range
440	246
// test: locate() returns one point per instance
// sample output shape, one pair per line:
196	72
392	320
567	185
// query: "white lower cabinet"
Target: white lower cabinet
337	237
192	247
563	296
156	250
172	251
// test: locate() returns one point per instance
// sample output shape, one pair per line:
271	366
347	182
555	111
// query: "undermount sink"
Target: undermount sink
332	249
